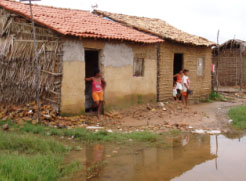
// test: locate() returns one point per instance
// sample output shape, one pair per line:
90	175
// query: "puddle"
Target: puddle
188	157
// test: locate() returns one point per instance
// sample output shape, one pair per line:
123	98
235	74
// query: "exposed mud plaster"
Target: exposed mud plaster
73	86
117	55
73	51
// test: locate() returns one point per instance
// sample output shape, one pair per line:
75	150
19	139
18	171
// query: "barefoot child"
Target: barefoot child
178	78
186	87
98	85
175	94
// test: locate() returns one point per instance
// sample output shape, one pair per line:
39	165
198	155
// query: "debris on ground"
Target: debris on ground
156	117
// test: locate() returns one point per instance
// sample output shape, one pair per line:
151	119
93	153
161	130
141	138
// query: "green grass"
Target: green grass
172	133
238	115
30	144
214	96
29	152
29	168
33	167
86	135
26	157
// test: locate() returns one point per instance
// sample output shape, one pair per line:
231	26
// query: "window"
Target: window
138	67
200	66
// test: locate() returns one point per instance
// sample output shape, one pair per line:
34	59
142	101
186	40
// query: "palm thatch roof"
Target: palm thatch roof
156	27
234	43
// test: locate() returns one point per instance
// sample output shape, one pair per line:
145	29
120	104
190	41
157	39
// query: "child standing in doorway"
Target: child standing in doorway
179	86
186	87
175	93
98	85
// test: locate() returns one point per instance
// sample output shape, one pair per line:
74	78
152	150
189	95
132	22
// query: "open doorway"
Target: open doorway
177	67
178	63
91	65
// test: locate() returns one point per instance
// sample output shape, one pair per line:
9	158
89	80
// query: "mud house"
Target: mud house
137	56
72	44
230	60
180	50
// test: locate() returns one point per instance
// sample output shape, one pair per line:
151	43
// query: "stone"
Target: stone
161	104
109	131
5	127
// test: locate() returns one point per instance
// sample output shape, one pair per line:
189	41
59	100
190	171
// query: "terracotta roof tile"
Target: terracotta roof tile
79	23
157	27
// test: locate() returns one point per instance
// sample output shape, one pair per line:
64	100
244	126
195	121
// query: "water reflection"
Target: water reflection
157	163
189	157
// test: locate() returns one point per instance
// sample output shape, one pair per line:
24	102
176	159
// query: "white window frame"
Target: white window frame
200	66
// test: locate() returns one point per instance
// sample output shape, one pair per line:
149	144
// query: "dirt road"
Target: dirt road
160	117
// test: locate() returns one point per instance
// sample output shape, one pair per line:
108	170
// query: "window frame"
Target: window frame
135	67
202	69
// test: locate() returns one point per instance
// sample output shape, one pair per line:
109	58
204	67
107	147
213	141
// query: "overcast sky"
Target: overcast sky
200	17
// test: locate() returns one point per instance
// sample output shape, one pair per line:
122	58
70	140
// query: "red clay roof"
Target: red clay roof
78	23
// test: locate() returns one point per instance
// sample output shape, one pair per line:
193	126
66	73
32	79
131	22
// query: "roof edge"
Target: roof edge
86	35
102	13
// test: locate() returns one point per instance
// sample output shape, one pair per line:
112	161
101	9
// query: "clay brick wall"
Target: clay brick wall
201	85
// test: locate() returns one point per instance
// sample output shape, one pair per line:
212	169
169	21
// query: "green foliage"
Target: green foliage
29	168
86	135
214	96
29	144
25	156
33	167
36	129
238	115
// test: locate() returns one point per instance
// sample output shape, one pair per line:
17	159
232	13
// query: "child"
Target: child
175	93
186	87
179	88
98	85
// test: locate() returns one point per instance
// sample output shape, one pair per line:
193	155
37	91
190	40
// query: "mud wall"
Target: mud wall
124	89
116	64
201	85
73	83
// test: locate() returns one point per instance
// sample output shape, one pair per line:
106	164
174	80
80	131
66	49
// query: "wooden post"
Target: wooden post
37	66
241	67
217	63
158	72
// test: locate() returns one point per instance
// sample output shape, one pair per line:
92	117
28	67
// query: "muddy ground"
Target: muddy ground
168	115
157	117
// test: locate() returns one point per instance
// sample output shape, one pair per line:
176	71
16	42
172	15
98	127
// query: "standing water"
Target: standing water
186	157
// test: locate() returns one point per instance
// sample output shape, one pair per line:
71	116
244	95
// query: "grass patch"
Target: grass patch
30	144
34	167
86	135
172	133
25	156
22	167
238	115
214	96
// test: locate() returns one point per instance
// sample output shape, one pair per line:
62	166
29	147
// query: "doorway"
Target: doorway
178	63
91	65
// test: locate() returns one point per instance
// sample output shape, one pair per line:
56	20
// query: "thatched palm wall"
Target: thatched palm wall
17	70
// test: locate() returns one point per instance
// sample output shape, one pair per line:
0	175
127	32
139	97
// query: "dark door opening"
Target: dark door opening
91	65
178	63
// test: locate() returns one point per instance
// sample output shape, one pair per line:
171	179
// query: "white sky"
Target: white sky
199	17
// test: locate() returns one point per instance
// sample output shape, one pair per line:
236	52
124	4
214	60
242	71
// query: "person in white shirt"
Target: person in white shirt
186	87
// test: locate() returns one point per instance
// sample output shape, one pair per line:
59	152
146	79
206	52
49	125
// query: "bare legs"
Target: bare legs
185	99
99	105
